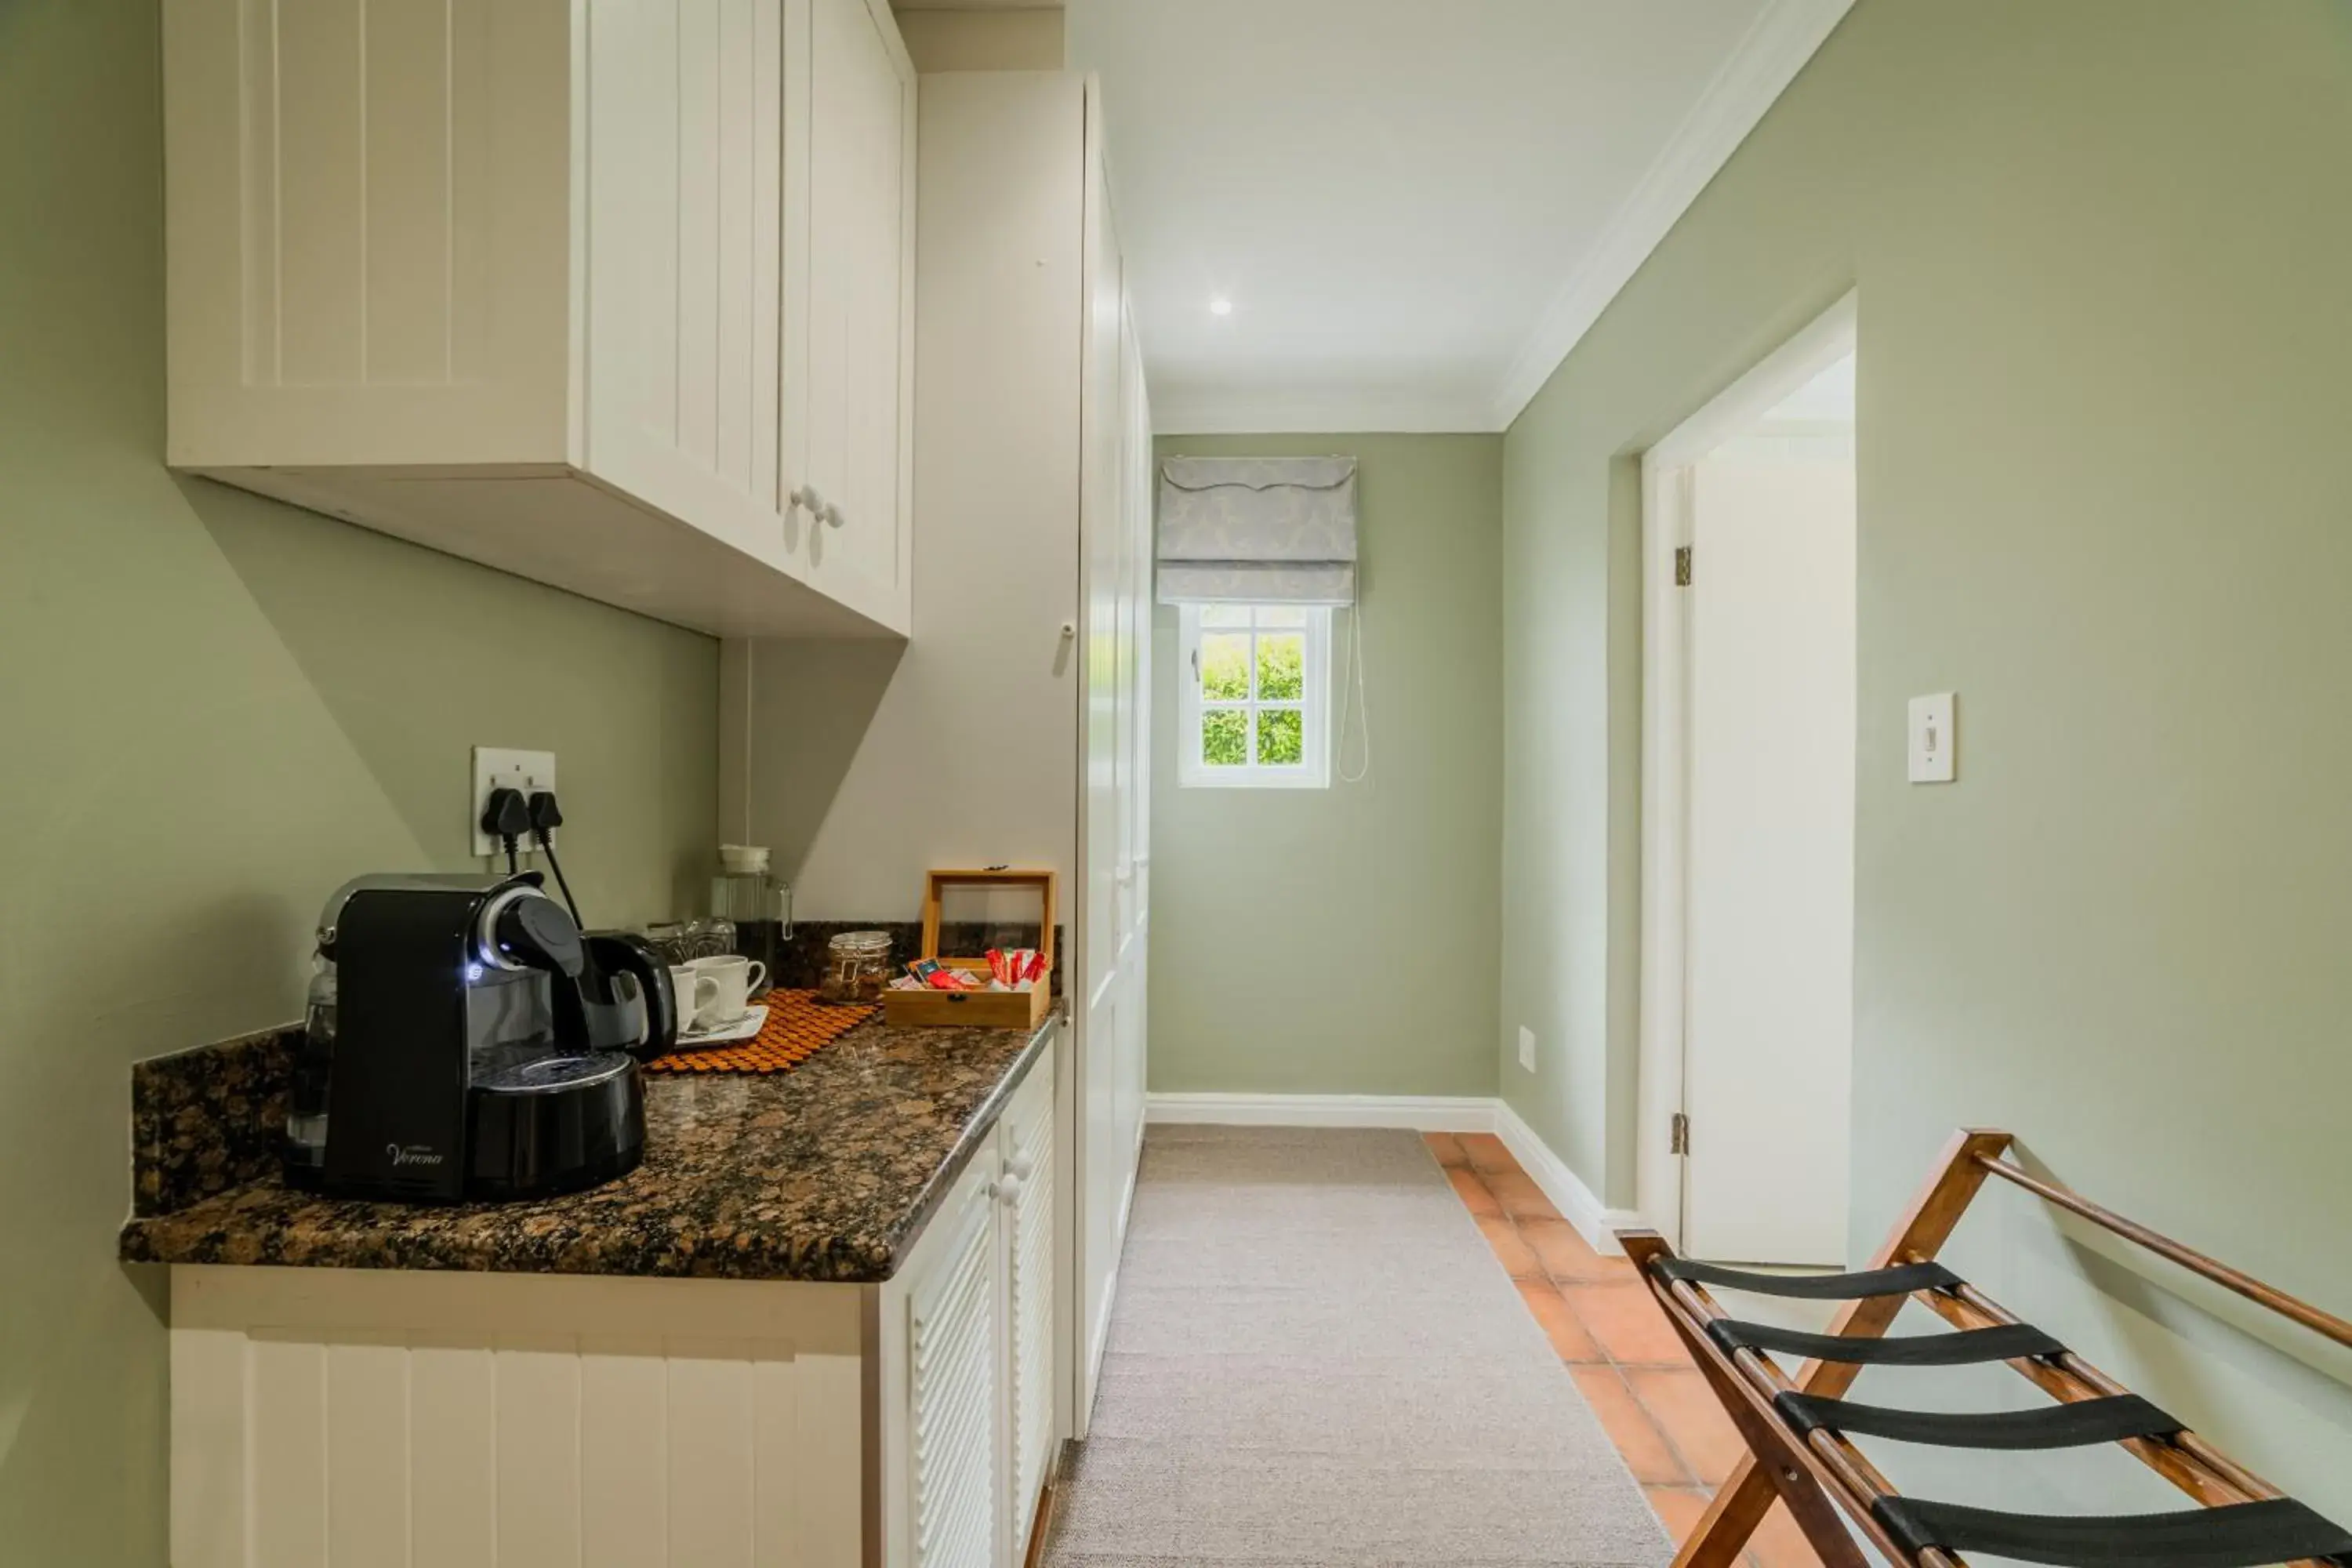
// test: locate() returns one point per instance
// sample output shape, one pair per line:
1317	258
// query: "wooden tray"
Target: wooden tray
978	1009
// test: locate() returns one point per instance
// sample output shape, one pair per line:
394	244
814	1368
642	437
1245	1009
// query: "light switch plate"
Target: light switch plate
1526	1048
1935	743
497	767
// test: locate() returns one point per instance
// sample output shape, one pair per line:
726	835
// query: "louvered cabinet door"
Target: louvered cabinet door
954	1335
1029	1294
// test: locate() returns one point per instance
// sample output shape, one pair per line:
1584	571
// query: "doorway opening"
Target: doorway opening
1748	662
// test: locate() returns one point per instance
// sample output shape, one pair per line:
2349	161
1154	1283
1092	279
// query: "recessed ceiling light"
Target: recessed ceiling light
1220	305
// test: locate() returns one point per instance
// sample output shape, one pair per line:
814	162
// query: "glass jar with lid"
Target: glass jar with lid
856	968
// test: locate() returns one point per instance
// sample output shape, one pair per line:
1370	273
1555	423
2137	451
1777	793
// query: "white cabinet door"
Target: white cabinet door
685	106
1115	467
1028	1193
1135	700
954	1357
367	243
857	400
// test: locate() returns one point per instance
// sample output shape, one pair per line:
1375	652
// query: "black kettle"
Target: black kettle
623	1000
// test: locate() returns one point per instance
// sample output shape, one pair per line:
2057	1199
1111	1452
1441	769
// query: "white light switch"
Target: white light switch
1526	1048
1933	741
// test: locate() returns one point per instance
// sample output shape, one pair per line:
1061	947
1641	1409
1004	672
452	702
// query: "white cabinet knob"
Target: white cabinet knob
1021	1165
1008	1190
806	496
833	515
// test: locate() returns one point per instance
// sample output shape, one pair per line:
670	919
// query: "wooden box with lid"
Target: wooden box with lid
978	1009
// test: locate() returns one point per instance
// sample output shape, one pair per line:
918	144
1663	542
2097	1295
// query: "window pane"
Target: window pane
1224	666
1224	737
1224	615
1282	667
1281	616
1281	737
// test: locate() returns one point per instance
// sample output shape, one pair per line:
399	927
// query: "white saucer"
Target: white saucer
743	1028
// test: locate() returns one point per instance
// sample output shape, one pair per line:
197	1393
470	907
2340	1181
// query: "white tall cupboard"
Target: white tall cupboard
1114	808
612	294
1012	728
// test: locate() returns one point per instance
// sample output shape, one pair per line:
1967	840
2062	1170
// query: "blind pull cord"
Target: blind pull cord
1362	704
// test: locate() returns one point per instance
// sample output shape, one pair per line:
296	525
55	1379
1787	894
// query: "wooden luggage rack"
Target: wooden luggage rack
1797	1431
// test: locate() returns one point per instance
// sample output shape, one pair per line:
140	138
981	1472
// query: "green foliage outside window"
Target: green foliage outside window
1281	737
1225	666
1226	678
1282	667
1224	737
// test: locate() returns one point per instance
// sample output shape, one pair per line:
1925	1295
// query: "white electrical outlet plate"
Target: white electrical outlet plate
1526	1047
1934	741
498	767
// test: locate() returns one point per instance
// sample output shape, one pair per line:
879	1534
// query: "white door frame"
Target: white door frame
1666	737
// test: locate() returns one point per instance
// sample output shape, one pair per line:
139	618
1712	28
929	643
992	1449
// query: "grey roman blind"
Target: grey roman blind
1257	531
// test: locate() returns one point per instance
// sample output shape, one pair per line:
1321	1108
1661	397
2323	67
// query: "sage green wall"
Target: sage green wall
1344	942
216	708
2105	381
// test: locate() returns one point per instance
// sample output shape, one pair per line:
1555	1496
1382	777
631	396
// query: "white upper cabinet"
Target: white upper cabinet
860	340
613	294
685	260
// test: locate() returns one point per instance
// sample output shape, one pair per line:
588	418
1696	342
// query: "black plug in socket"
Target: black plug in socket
546	816
505	816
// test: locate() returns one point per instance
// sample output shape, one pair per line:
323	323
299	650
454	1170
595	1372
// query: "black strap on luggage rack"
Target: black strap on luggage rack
2234	1535
1898	1282
1798	1431
2104	1420
1968	1347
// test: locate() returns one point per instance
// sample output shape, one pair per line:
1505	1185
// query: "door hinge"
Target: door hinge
1682	566
1678	1134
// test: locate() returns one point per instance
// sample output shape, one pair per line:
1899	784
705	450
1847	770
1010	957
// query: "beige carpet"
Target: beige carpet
1314	1360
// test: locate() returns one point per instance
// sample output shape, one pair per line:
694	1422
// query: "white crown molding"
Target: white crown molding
1275	413
1767	60
1596	1222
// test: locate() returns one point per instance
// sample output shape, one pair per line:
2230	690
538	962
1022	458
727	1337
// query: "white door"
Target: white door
1768	1033
1101	988
1135	698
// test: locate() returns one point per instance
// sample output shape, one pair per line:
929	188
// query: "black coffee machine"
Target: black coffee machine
465	1040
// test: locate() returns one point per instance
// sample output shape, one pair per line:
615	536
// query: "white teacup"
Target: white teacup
698	996
736	978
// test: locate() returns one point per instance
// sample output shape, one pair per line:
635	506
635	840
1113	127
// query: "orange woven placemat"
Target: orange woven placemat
798	1026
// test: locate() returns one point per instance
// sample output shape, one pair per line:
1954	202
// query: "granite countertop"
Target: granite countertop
825	1172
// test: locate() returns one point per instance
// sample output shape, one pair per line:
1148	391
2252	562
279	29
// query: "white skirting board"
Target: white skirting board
1576	1202
1421	1113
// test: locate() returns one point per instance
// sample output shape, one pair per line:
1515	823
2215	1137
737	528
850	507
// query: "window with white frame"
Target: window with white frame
1256	681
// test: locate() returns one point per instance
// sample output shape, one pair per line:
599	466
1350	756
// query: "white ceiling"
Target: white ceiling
1415	207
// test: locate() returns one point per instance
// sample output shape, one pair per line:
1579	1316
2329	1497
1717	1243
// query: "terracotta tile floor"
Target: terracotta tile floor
1631	1370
